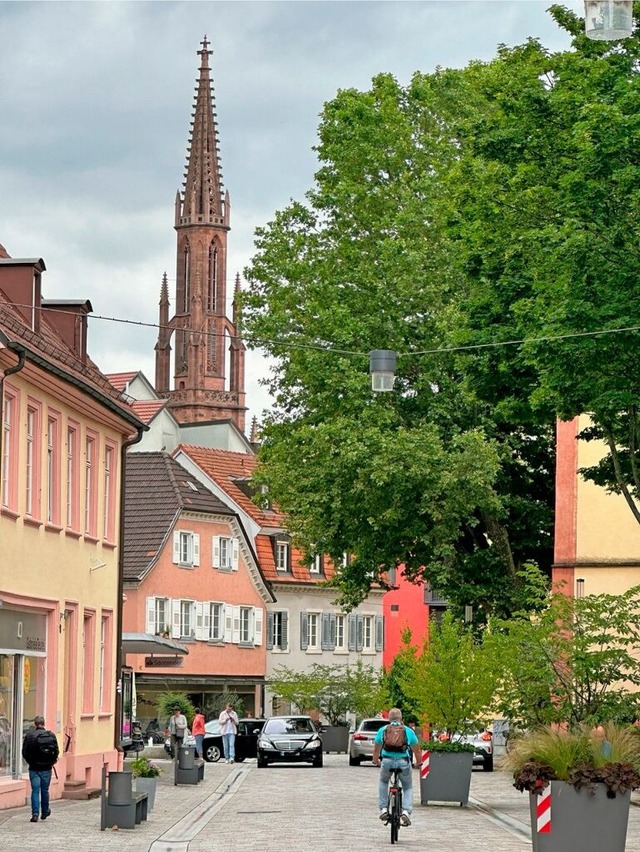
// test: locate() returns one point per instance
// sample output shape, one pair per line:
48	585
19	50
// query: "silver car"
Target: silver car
362	740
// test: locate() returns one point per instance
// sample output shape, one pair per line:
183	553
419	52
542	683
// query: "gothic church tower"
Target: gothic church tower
208	385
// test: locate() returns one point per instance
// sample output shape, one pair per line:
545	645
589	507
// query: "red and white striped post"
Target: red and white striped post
424	764
543	812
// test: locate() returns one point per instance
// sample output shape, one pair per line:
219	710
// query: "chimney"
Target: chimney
20	281
69	318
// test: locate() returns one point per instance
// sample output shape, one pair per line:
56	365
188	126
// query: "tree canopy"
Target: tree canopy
448	218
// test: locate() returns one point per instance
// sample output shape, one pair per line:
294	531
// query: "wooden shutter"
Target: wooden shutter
285	631
151	615
228	623
332	631
325	641
206	620
304	631
176	548
359	633
236	624
199	607
196	549
175	619
257	626
215	551
235	554
379	633
353	629
269	642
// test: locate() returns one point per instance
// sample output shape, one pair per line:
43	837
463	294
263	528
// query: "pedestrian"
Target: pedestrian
228	720
197	729
177	730
396	743
40	750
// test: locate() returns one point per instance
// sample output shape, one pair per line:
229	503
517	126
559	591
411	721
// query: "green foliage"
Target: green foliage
142	767
573	662
215	704
331	690
452	679
167	701
448	746
395	676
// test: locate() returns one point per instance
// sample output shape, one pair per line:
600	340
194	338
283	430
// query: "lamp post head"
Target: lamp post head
382	367
608	20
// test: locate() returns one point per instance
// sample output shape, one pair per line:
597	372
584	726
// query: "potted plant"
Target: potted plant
452	681
146	773
579	784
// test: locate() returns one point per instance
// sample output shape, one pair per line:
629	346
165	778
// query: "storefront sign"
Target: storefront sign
23	631
164	662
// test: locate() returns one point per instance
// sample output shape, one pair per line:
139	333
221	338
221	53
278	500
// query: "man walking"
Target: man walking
40	750
228	720
395	742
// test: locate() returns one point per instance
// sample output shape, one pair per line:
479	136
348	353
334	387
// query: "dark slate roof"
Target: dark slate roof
157	489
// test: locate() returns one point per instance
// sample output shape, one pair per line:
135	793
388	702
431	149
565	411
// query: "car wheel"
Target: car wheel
262	762
317	761
354	761
487	766
212	753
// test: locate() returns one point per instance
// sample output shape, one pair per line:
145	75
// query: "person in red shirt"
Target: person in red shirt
197	729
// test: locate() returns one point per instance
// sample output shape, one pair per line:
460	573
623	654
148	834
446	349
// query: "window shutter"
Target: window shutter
215	551
304	631
285	631
176	548
288	560
360	633
332	631
228	623
196	549
236	624
379	632
269	642
175	619
325	643
257	626
151	615
206	620
199	620
235	545
353	629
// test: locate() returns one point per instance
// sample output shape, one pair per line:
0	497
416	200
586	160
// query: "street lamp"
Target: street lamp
608	20
382	366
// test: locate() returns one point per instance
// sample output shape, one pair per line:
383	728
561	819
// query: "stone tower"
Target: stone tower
209	355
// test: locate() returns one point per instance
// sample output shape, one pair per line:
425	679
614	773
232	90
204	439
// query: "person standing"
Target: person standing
40	750
197	729
395	743
228	720
177	730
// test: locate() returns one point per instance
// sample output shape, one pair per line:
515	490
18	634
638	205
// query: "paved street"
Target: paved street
242	809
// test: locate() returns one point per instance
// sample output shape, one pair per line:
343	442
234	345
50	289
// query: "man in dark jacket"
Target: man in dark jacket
39	767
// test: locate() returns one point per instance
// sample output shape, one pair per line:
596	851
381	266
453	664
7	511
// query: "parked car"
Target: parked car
289	739
362	740
245	744
482	741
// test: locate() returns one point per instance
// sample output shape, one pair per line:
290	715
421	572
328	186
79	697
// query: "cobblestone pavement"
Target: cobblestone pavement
241	808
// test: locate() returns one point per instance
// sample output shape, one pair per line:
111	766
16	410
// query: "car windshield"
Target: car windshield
289	726
372	724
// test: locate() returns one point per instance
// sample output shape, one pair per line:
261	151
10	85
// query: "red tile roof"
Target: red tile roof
146	409
121	380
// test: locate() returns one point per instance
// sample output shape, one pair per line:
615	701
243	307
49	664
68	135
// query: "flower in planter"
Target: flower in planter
581	758
142	767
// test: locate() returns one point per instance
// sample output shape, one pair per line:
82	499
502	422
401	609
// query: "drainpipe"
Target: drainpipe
22	354
119	612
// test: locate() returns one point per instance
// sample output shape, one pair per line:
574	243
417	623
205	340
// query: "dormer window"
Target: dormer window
317	564
282	552
186	549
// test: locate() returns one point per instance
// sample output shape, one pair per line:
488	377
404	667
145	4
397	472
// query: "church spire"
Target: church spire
202	200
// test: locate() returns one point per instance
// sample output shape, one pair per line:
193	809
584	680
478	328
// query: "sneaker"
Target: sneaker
44	816
34	818
384	815
405	819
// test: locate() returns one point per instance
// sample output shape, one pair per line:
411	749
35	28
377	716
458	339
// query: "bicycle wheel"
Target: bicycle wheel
394	815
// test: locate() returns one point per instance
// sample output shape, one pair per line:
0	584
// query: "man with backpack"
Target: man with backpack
394	743
40	750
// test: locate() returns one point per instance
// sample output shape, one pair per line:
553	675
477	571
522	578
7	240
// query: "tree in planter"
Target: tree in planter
168	701
394	677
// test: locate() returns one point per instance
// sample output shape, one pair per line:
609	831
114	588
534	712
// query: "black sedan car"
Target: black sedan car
289	739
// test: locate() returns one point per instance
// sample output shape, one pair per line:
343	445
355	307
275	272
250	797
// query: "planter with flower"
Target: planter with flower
146	773
452	682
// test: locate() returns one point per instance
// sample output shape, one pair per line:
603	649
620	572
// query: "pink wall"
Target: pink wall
404	607
566	509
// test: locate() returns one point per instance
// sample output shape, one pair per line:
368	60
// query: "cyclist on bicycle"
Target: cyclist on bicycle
395	750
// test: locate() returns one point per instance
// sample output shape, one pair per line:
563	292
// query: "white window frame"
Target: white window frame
246	625
186	548
368	634
279	616
314	631
342	637
282	556
216	622
316	564
187	619
225	552
162	604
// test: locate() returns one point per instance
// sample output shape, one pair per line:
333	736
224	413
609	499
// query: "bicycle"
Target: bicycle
394	806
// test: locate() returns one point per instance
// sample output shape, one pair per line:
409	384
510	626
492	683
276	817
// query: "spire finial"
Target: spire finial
253	438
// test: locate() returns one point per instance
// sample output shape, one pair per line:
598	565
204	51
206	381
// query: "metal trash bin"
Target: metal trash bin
120	788
186	757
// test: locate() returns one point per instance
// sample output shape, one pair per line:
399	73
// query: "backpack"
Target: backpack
394	737
46	748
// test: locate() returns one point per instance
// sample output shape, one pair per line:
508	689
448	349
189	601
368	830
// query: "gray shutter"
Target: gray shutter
269	631
332	631
379	632
326	631
304	631
360	633
353	622
285	631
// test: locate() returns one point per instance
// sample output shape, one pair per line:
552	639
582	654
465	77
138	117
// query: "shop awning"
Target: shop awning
147	643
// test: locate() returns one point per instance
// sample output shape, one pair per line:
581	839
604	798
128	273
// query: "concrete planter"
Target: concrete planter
148	786
580	820
335	738
449	778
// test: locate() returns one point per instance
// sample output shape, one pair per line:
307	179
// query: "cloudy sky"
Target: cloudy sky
95	103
